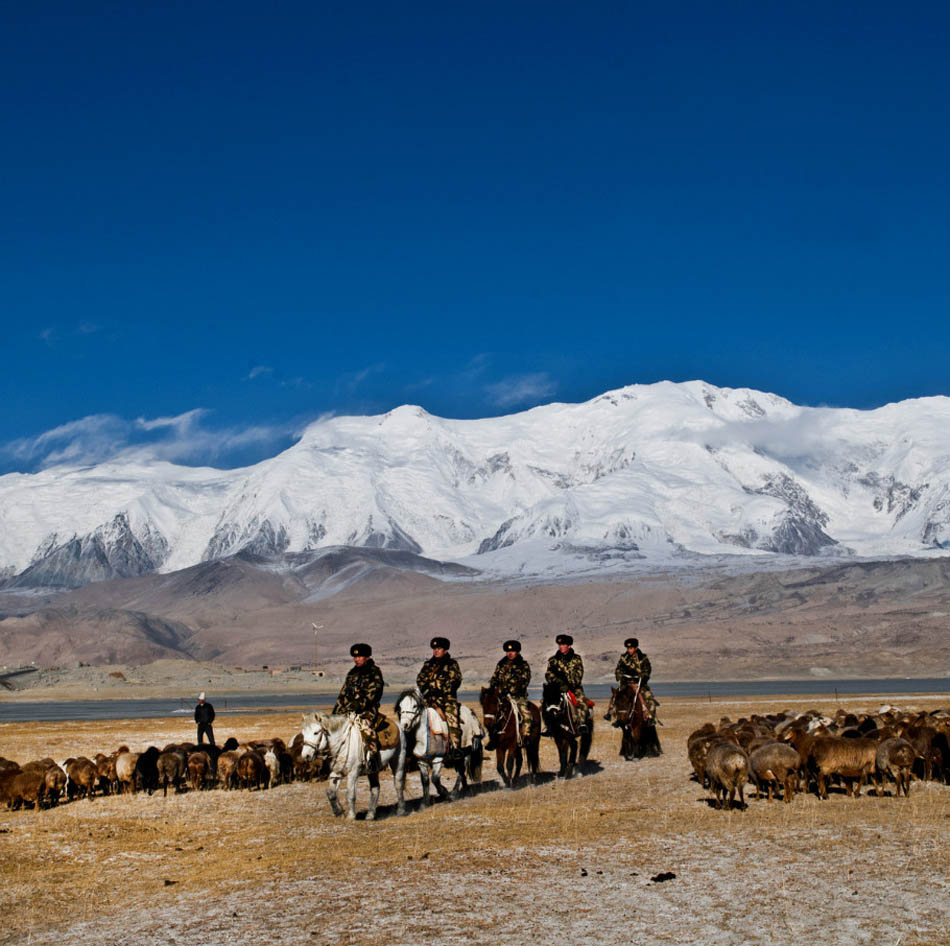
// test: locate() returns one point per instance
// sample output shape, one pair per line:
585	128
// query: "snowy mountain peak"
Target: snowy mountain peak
654	471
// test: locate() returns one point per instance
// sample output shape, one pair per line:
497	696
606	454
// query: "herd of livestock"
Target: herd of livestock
44	782
788	752
780	754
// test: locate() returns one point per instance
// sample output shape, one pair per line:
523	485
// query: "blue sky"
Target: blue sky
221	221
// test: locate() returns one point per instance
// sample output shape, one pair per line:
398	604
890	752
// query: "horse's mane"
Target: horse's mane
332	724
411	691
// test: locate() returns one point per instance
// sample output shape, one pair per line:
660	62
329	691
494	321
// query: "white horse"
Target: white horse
341	738
416	722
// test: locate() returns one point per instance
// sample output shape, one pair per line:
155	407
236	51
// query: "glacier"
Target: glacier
662	473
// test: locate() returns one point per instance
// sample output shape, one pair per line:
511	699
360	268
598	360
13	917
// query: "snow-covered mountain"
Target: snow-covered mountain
661	472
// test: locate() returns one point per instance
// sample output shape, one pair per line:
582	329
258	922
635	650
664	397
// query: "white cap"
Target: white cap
201	696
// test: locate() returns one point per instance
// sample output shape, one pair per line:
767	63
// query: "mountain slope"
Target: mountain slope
661	472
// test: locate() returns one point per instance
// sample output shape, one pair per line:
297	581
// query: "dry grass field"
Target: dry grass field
563	862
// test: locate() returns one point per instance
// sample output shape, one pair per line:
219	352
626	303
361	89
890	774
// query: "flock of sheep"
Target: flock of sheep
789	752
43	782
778	753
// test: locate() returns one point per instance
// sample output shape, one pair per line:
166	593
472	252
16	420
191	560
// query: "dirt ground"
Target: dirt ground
627	853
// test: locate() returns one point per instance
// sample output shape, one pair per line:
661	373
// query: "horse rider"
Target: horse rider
511	678
439	680
634	668
362	692
566	670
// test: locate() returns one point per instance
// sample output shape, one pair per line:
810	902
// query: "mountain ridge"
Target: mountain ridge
662	472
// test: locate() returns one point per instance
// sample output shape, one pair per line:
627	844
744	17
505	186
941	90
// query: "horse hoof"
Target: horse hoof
350	816
370	815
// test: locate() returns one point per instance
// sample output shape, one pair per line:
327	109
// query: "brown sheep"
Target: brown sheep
27	787
252	771
772	763
171	767
922	736
82	777
227	769
895	757
199	770
55	783
125	770
851	759
6	782
727	768
105	766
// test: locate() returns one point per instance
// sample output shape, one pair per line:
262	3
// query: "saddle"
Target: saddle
387	732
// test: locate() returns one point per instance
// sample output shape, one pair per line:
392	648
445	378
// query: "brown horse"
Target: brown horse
630	713
572	746
503	726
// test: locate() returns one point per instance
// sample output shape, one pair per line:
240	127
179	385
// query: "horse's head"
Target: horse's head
489	698
551	697
316	739
409	708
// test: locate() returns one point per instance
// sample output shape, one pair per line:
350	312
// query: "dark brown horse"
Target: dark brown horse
572	747
639	736
503	726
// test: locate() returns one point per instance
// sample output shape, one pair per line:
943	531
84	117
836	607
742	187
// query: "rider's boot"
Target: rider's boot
492	741
372	754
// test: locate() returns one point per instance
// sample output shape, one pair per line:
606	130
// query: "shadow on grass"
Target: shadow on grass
735	806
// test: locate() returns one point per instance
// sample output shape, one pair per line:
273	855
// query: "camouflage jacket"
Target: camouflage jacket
439	679
633	667
512	677
362	690
566	670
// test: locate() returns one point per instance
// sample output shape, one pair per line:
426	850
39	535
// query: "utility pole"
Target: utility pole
316	627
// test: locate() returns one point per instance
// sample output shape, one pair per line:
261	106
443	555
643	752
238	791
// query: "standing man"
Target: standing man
362	692
634	668
511	678
439	681
204	717
566	669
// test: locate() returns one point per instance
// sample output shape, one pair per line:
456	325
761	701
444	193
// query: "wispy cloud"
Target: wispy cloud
257	371
54	334
185	438
347	384
521	389
180	423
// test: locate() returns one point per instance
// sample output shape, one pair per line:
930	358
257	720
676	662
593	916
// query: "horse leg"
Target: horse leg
373	795
571	757
461	782
534	762
500	763
399	782
436	776
352	778
519	758
333	784
562	755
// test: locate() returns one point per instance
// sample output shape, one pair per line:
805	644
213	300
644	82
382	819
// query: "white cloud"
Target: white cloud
180	422
185	438
521	389
257	371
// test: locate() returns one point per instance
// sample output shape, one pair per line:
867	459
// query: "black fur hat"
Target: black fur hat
442	642
564	639
512	645
361	650
631	642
